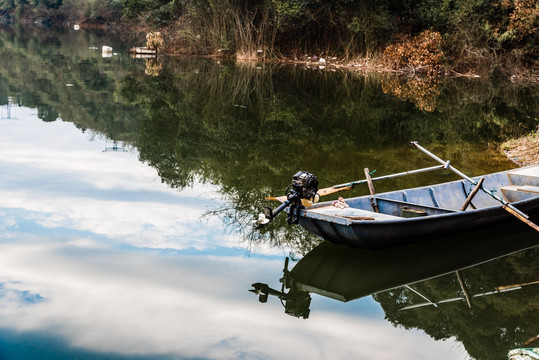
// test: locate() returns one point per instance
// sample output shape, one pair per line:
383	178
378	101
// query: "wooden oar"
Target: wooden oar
511	209
347	186
506	206
321	192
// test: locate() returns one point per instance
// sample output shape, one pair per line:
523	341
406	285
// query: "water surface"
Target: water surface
129	187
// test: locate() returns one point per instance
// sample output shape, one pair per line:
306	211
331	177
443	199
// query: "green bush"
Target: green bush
133	8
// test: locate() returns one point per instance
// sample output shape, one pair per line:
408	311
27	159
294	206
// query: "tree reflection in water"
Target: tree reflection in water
247	128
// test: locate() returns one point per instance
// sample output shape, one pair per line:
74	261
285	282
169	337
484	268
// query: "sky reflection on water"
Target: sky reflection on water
98	258
62	180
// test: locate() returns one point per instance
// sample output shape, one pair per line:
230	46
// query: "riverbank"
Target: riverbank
428	52
524	151
373	63
324	37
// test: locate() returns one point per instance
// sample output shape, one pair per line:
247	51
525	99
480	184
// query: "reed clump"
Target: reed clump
154	40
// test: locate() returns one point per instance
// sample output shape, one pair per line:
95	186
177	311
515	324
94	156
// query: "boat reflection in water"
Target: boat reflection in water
345	274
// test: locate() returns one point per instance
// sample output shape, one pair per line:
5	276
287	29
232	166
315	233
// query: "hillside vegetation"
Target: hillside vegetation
498	36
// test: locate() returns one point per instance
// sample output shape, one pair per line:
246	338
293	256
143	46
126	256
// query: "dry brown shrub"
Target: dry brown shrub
523	20
421	53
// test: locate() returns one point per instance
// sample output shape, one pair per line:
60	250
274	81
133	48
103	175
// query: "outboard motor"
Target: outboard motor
301	193
304	187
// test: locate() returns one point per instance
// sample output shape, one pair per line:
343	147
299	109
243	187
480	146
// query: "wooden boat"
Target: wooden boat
425	213
523	354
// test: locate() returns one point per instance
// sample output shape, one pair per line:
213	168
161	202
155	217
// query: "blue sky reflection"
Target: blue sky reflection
97	252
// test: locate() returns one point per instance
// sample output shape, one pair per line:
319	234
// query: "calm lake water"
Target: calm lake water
128	188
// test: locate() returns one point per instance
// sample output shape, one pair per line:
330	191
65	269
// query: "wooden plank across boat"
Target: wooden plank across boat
425	213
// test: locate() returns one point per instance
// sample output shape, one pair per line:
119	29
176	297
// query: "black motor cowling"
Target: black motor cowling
304	186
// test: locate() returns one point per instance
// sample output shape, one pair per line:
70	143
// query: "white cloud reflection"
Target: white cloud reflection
143	303
62	180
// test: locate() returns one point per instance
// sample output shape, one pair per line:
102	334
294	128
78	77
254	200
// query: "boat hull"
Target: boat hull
390	231
380	235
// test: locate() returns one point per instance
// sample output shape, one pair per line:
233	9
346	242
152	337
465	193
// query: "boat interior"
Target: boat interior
511	186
